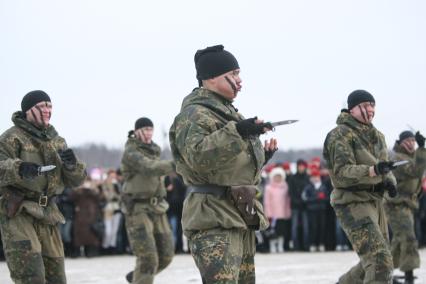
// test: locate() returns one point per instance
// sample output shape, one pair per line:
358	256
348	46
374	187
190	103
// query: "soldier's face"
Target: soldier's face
409	144
145	134
228	84
364	112
40	114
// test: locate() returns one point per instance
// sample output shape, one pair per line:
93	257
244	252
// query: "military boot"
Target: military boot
409	277
129	277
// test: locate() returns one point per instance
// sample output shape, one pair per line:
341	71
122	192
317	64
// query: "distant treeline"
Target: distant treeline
99	155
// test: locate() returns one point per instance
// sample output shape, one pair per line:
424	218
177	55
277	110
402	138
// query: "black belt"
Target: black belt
376	188
216	190
153	200
42	200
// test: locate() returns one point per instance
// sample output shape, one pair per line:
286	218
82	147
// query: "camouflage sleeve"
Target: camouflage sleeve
9	163
344	164
414	169
75	177
136	161
202	144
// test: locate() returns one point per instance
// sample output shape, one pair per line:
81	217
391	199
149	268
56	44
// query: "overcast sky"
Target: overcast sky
107	63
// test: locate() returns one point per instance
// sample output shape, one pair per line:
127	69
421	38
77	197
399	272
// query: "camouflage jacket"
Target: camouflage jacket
208	150
409	176
25	142
350	150
143	173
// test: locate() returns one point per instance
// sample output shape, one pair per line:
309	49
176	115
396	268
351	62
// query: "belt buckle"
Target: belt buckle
42	201
153	201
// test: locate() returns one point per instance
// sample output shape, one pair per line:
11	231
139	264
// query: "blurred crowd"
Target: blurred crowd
296	198
297	203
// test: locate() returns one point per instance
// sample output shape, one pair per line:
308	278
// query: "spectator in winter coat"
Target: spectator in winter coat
110	192
277	209
176	192
316	198
298	214
66	206
88	223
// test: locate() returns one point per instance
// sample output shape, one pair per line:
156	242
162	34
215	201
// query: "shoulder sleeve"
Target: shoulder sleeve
414	169
201	143
9	160
342	160
136	161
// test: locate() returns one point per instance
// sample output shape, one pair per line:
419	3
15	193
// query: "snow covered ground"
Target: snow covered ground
288	268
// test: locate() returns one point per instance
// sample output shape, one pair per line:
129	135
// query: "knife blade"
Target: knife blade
400	163
43	169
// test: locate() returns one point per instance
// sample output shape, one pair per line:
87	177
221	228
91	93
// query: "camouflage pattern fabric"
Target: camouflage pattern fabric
224	256
365	225
208	150
25	142
143	173
147	226
152	243
33	250
400	209
409	176
207	147
350	150
32	242
404	246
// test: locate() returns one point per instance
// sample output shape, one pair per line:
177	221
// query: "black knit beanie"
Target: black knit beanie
359	96
404	135
214	61
33	98
143	122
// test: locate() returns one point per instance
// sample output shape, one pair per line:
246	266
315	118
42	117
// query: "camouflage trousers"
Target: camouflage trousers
224	256
152	243
33	250
404	245
365	225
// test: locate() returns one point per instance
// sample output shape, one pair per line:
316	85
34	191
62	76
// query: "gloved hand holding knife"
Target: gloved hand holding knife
30	170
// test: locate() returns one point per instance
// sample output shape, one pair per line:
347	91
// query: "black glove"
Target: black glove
68	158
383	168
420	139
28	170
269	154
248	127
391	188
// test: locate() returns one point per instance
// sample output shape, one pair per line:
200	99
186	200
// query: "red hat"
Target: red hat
316	159
286	166
313	167
268	168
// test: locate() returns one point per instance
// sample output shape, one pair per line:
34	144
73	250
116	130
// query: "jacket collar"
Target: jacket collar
48	133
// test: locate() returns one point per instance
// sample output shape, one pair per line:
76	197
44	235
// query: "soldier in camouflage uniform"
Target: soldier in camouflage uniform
220	157
400	210
145	205
28	212
357	159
